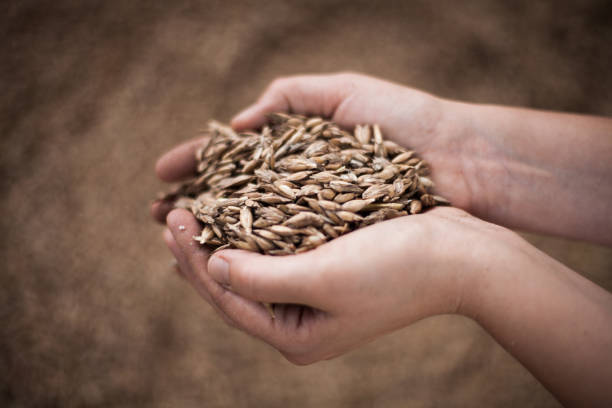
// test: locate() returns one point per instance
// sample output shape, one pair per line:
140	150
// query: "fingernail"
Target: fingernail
218	269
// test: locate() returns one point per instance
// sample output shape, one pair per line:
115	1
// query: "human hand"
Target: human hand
504	165
409	117
412	118
348	291
388	275
432	126
439	262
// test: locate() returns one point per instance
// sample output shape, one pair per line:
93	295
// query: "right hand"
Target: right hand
432	126
435	128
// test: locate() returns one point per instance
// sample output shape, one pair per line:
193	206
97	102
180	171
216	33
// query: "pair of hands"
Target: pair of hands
374	280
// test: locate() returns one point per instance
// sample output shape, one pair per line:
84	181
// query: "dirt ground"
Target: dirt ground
93	91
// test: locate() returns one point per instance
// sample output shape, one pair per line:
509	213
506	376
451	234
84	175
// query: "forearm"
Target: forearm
555	322
540	171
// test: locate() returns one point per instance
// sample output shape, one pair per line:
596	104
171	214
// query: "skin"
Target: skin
519	168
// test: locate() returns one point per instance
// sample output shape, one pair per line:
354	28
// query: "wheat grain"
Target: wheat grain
298	183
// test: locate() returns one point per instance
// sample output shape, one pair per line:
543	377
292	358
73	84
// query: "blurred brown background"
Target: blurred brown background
93	91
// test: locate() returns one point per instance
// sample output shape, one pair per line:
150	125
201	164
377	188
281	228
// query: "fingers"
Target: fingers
297	331
171	244
307	94
256	277
286	279
186	272
182	266
160	210
262	278
180	162
177	164
247	314
194	256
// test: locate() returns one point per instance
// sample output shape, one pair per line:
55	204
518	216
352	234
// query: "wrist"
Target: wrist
472	257
468	254
482	162
497	269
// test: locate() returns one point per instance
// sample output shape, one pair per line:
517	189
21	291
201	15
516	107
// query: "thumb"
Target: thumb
283	279
304	94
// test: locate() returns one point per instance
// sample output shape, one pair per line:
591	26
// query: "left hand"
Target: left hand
350	290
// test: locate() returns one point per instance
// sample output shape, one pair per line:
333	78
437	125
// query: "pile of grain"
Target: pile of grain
299	183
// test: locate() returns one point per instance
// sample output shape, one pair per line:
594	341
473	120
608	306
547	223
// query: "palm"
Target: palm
414	120
360	280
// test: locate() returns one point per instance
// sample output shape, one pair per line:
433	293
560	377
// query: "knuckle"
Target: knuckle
288	84
348	82
279	83
219	299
